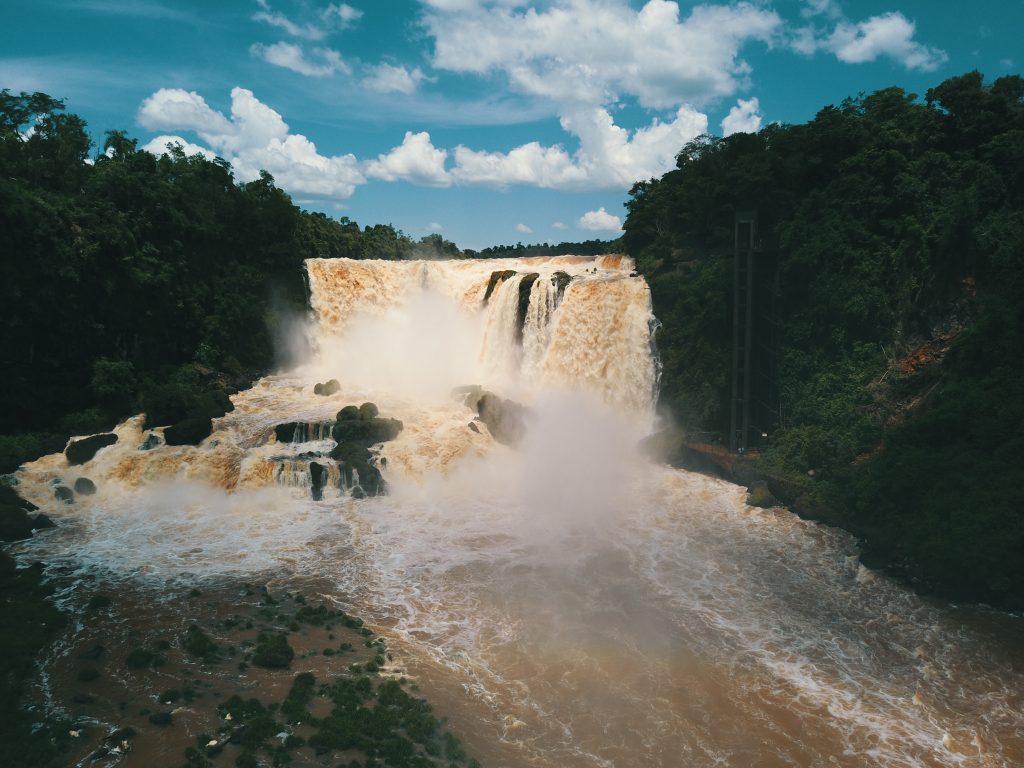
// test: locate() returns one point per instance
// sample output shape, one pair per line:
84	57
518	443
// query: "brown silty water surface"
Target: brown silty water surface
564	603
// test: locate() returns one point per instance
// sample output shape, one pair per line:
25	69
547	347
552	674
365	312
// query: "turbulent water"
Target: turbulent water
564	603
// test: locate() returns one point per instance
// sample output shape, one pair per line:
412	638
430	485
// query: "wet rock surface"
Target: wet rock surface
84	449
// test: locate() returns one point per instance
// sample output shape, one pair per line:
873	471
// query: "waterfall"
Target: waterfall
569	322
564	601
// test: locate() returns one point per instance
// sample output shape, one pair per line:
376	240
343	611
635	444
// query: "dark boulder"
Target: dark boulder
474	427
14	523
41	522
357	470
64	494
664	445
368	411
760	496
162	719
506	419
348	413
327	388
81	451
85	487
367	432
191	431
303	431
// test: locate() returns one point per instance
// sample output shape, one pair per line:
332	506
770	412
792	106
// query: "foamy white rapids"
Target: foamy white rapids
563	603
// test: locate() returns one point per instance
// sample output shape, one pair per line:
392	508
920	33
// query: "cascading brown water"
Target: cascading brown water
564	603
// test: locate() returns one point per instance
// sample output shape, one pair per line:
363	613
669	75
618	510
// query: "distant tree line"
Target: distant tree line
897	226
584	248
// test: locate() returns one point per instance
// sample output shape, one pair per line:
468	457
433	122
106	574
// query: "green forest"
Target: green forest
892	232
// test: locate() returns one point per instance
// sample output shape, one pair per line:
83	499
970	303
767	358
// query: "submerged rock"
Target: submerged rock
64	494
318	476
760	496
83	450
85	487
327	388
152	441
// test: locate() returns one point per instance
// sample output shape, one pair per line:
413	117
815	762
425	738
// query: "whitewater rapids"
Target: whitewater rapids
564	602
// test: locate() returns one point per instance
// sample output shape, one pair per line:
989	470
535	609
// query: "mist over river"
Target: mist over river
563	602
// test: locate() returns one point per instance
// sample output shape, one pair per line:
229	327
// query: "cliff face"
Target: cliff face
889	315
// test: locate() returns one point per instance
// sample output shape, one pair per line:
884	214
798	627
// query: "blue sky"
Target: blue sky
489	121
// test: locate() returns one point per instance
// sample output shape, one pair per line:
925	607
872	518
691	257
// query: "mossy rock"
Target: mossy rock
367	432
348	413
83	450
198	643
272	651
191	431
85	487
760	496
368	411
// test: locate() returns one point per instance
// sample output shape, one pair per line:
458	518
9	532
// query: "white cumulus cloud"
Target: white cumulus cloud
891	35
324	61
416	160
600	221
255	137
558	225
593	52
609	157
888	35
387	78
742	118
524	229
